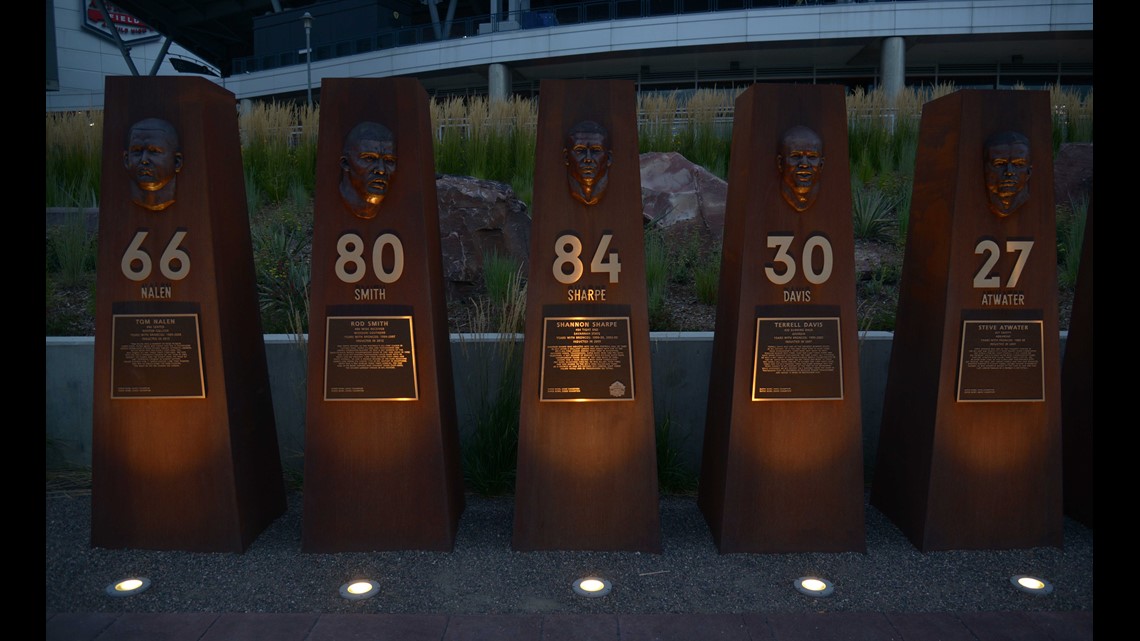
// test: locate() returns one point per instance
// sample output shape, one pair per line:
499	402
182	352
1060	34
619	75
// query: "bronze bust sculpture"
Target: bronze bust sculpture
800	163
1007	170
153	158
367	165
588	158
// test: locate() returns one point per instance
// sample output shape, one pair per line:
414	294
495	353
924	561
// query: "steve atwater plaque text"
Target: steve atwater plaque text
1001	361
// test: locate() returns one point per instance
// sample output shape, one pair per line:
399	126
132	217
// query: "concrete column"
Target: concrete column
498	81
893	67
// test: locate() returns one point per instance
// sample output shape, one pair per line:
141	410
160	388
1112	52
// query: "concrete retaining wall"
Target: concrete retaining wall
680	360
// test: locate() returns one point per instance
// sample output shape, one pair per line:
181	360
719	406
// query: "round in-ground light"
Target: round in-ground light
360	589
814	586
592	586
128	587
1031	584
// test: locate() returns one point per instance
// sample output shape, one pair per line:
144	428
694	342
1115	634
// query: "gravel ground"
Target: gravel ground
483	575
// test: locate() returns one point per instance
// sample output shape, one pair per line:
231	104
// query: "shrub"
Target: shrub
873	214
282	264
673	477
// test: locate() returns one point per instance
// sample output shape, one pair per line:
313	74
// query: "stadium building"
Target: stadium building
282	49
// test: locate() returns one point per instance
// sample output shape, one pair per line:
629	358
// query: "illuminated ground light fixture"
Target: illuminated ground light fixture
128	587
592	586
1031	584
814	586
359	589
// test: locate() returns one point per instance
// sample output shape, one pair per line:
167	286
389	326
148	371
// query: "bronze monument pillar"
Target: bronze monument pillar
970	447
587	474
782	465
184	445
382	468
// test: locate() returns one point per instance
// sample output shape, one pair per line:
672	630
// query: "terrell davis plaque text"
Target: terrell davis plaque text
797	359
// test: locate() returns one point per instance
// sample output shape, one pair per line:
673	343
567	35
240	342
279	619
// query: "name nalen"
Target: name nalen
369	293
150	292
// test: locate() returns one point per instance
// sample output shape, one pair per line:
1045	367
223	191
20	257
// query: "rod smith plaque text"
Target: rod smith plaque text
370	358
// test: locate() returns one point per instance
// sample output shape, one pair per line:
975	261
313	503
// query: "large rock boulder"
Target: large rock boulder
478	217
681	197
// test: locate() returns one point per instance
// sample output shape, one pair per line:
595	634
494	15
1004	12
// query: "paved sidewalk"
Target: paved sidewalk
869	626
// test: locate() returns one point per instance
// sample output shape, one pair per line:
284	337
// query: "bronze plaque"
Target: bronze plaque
370	358
797	359
586	359
1001	360
156	356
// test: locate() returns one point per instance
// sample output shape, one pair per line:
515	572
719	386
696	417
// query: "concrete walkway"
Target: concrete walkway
872	626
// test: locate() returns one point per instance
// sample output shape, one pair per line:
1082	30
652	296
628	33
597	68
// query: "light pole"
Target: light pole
308	20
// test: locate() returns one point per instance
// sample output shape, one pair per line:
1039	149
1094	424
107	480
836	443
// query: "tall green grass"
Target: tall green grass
71	250
1071	221
490	451
902	216
706	278
673	476
449	126
503	281
489	139
74	149
657	117
657	279
1072	116
279	148
70	270
696	124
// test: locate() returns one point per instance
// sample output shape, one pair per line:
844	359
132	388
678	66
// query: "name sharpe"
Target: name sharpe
586	294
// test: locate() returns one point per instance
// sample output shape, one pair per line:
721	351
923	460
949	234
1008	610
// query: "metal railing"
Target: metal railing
540	18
